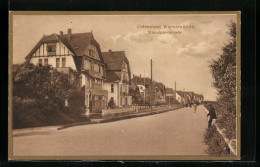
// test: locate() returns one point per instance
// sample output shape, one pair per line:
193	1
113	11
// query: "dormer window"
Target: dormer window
51	48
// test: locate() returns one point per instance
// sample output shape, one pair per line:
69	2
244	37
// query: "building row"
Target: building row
105	76
143	90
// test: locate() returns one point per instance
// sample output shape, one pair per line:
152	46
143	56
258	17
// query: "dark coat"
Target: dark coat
212	113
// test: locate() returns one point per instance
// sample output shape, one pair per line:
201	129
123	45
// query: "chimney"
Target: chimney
61	33
110	51
69	34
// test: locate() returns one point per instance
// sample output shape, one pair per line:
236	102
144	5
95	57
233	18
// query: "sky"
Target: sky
182	56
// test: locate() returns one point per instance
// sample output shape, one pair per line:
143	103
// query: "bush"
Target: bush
39	94
225	120
216	144
111	104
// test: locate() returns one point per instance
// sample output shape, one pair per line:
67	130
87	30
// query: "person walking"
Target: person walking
212	115
195	108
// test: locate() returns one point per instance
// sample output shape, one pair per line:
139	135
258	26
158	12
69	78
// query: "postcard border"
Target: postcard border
141	157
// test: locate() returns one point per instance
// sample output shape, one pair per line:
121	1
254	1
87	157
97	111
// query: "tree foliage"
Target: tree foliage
224	72
39	94
43	83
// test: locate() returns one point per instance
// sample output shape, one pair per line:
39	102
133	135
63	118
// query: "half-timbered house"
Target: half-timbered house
78	52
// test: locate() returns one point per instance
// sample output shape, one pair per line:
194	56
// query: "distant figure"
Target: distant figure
190	105
195	108
211	114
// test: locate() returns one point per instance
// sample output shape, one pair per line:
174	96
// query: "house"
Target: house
198	98
154	91
78	52
161	92
138	90
170	96
118	76
181	97
137	85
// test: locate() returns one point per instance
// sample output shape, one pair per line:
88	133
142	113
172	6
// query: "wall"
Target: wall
61	52
52	61
107	86
178	97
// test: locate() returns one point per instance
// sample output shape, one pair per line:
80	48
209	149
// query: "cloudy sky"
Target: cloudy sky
183	58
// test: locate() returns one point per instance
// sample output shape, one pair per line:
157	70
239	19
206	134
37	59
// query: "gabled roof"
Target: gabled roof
137	80
180	93
113	76
160	86
114	64
169	91
77	44
147	81
114	59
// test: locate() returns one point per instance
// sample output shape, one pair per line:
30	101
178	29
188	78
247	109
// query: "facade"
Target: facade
117	82
78	52
160	88
138	90
144	91
179	96
170	96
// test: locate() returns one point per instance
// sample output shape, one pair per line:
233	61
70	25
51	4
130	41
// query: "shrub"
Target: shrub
39	94
215	142
111	104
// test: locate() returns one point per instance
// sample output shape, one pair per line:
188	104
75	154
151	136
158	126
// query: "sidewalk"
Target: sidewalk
50	129
33	131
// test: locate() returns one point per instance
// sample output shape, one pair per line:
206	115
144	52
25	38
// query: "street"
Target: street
177	132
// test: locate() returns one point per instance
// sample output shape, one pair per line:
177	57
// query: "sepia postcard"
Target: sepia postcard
124	85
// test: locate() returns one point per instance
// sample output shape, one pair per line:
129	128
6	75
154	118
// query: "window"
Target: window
112	88
63	62
40	62
51	48
99	68
45	62
57	62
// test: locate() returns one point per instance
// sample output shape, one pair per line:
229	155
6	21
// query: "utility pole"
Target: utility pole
175	93
151	85
144	88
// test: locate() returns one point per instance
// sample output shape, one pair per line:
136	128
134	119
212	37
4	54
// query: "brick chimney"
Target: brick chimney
110	51
61	33
69	34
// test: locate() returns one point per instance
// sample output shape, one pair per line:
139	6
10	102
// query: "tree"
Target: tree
39	94
41	83
224	72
